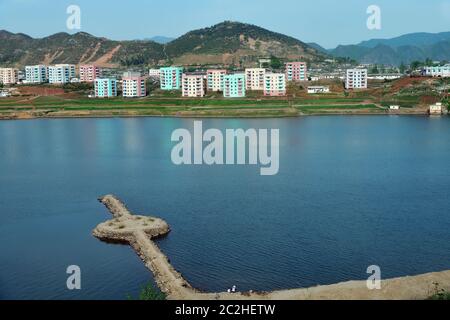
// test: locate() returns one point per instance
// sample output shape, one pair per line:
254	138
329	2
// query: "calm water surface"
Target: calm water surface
351	192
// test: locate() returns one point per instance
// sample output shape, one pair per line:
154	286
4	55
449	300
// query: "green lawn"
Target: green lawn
338	107
150	101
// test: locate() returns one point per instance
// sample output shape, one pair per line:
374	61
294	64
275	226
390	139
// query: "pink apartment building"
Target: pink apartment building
133	85
296	71
215	78
275	84
88	73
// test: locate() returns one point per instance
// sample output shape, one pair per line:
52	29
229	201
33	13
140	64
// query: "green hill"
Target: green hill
224	43
18	49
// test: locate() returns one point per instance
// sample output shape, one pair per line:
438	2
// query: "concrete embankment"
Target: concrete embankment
138	231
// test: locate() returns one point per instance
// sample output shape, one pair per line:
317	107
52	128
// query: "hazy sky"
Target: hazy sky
327	22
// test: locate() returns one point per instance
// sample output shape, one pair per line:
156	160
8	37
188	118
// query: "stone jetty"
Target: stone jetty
138	232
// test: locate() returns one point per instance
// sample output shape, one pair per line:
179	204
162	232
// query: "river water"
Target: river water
352	191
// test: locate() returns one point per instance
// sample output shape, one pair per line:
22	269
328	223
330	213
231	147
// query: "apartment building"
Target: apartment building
133	85
36	74
215	79
9	75
440	71
61	73
275	84
170	78
105	88
296	71
154	73
255	79
356	79
234	85
88	73
193	85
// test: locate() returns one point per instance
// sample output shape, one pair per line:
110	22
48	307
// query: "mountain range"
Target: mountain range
404	49
230	43
227	43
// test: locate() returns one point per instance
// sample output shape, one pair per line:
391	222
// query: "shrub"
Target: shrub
439	294
150	293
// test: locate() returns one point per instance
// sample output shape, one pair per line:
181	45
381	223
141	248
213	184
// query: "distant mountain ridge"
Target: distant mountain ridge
403	49
229	42
161	39
411	39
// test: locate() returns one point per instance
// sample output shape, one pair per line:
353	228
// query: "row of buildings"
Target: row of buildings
55	74
61	73
194	84
233	85
133	86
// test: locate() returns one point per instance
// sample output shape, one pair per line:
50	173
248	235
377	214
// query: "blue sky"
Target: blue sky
327	22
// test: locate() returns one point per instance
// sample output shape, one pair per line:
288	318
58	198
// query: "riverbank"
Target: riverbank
412	95
203	112
75	106
139	231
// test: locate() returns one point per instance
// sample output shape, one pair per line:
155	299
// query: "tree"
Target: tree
402	68
275	63
415	65
375	70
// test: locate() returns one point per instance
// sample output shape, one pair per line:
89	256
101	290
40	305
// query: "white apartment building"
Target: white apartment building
154	73
441	71
193	85
356	79
61	73
255	79
9	75
36	74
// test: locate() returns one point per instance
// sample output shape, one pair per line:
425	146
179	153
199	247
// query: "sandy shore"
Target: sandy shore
138	231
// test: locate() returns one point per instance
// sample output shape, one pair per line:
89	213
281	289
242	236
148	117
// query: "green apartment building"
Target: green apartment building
234	85
170	78
105	88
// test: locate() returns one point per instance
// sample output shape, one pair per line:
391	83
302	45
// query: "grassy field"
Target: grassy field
66	103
